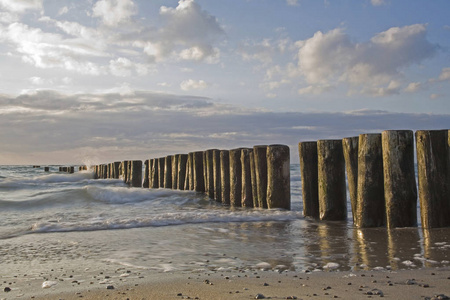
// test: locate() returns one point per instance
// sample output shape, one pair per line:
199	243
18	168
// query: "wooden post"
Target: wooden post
188	173
150	168
433	170
217	178
155	173
116	169
209	183
136	173
253	180
278	177
331	178
191	171
246	183
199	185
225	176
182	167
235	177
168	172
161	171
370	204
400	190
350	148
260	156
308	172
175	171
146	183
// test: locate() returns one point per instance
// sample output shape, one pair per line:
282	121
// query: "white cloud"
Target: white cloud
20	6
292	2
378	2
315	90
435	96
124	67
114	12
445	74
373	67
413	87
191	84
63	10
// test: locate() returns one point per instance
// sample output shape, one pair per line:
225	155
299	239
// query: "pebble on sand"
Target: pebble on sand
48	284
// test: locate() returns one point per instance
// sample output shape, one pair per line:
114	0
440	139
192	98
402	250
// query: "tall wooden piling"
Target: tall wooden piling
104	170
400	190
235	177
434	177
150	167
175	172
199	185
278	177
246	177
260	156
209	171
146	183
155	174
331	178
225	176
161	171
217	178
205	172
308	172
370	204
168	172
253	180
182	167
188	171
350	148
136	173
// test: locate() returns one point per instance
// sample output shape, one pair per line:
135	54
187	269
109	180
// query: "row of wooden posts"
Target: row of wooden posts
244	177
381	178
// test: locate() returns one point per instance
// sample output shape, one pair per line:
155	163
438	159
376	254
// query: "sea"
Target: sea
49	219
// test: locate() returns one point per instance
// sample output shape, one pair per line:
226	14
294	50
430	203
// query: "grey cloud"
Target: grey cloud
116	127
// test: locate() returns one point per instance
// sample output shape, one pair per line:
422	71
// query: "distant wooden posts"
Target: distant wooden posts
278	177
175	172
370	205
198	179
46	169
433	164
168	172
308	173
161	169
209	172
400	190
331	180
155	174
182	167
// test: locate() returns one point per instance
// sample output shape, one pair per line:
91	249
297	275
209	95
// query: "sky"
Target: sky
91	81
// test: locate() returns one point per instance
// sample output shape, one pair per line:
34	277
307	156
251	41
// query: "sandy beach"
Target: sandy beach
426	283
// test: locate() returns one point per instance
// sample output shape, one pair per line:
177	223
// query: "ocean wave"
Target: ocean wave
168	219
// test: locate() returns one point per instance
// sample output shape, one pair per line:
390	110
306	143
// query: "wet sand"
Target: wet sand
249	284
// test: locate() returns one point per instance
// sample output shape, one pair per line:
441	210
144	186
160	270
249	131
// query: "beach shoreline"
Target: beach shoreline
240	284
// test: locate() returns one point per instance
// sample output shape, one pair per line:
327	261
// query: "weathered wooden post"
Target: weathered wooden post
434	179
191	171
260	156
246	183
161	166
46	169
146	184
370	204
105	171
216	171
350	148
125	170
209	184
205	172
278	177
136	173
168	172
182	167
155	174
188	173
108	171
331	178
175	172
199	185
400	190
253	180
235	177
307	152
150	168
225	176
116	169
